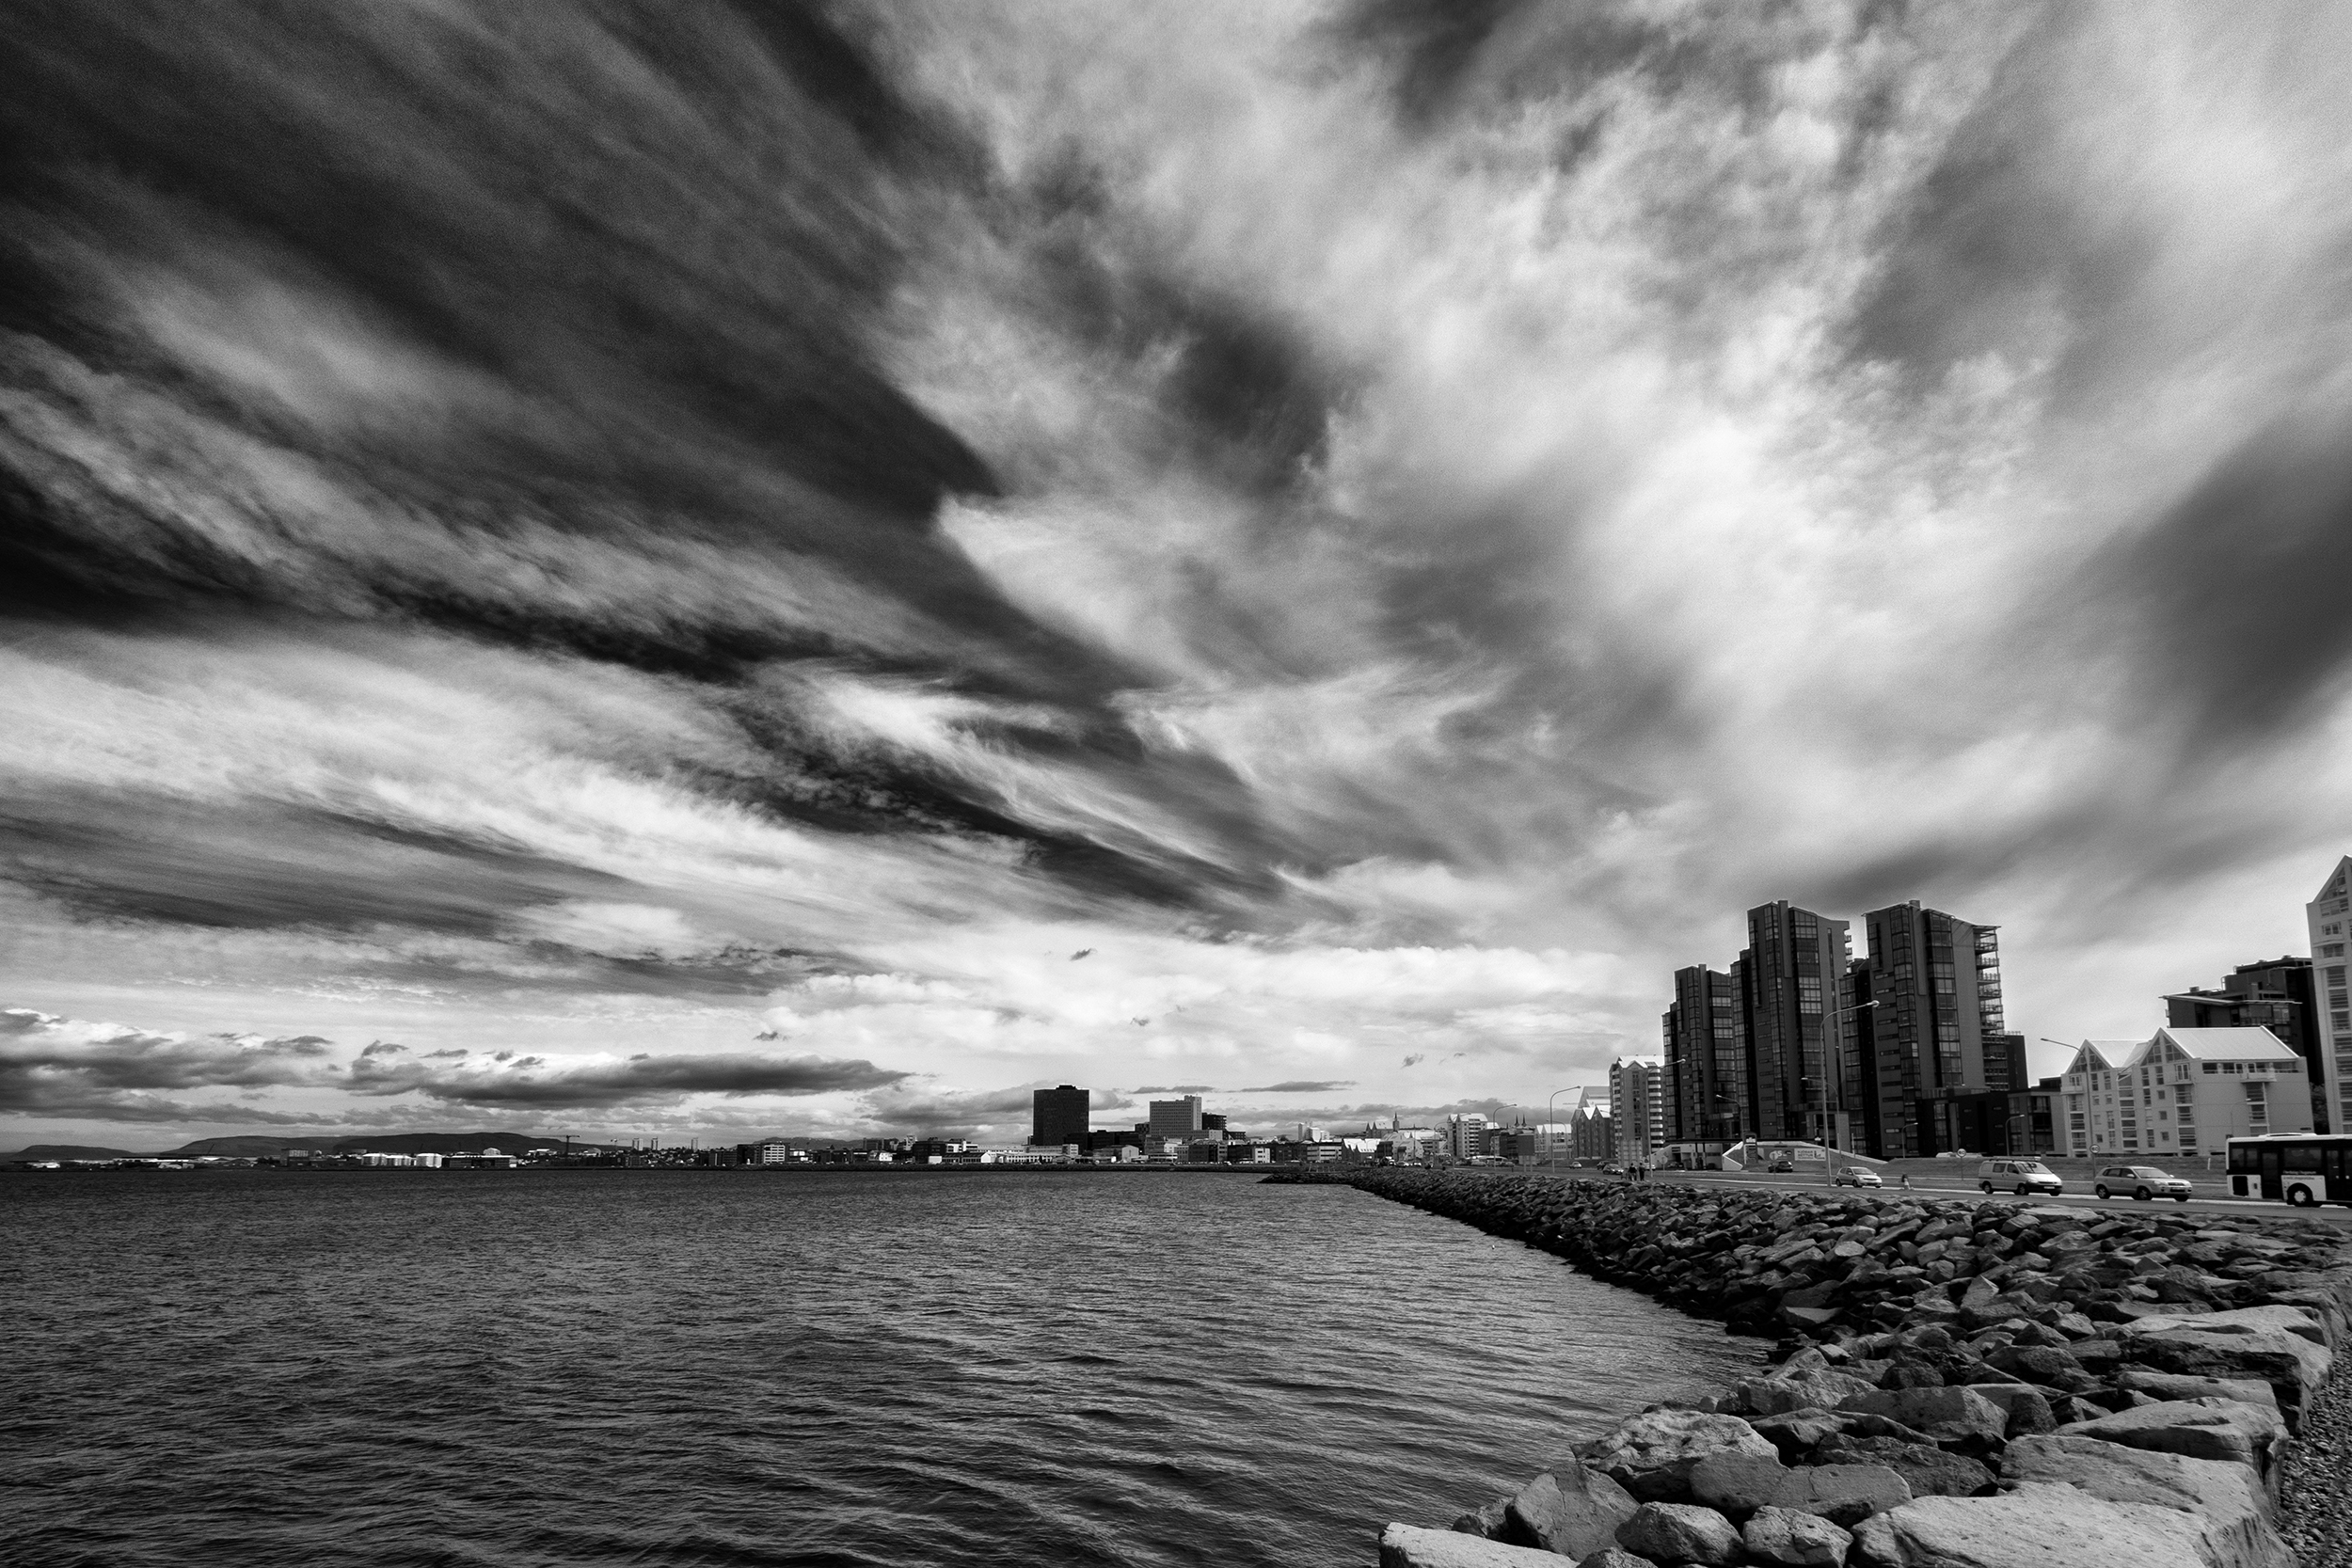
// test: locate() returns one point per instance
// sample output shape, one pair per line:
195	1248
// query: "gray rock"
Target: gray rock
1784	1536
1739	1485
1574	1513
1486	1524
2028	1411
1799	1431
2224	1430
1806	1390
2179	1385
1945	1415
1682	1532
2034	1526
2245	1320
2234	1511
1651	1455
1615	1557
1409	1546
2292	1365
1927	1471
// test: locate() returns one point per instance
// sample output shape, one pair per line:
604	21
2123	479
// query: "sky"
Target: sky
710	571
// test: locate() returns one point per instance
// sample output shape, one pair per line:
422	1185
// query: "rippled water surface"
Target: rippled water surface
670	1368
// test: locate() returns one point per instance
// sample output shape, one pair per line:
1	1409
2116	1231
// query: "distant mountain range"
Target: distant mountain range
274	1146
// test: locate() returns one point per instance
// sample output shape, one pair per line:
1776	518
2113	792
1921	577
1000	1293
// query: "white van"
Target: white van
2025	1177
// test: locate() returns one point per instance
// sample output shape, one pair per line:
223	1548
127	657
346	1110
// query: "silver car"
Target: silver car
2143	1183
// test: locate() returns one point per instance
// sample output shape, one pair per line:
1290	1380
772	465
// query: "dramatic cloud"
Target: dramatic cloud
504	1078
58	1066
1321	546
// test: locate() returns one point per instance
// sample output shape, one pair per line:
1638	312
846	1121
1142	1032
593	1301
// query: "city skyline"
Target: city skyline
1323	551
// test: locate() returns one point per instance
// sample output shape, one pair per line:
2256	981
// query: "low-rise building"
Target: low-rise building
2181	1092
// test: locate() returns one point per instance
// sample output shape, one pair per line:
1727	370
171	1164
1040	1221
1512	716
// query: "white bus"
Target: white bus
2305	1169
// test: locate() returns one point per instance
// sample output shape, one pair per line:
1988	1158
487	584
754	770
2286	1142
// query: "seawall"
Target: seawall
1957	1384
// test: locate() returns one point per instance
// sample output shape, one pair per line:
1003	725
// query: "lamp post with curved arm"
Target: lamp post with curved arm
1551	1139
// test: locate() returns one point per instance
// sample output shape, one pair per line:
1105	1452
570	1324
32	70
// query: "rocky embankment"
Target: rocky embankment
1957	1385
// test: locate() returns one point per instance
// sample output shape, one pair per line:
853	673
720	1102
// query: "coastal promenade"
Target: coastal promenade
1959	1382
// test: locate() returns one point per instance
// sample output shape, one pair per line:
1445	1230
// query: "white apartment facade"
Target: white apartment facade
1637	1103
2181	1092
2329	916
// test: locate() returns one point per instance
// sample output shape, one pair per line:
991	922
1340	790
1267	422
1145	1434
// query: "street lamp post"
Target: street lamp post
1552	1138
1827	1159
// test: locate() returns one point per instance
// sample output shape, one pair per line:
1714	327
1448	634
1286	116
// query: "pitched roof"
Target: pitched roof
2229	1045
2107	1055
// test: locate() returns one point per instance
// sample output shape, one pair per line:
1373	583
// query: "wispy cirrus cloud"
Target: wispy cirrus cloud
1385	525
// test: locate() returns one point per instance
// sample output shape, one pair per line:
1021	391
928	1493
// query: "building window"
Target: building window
2212	1066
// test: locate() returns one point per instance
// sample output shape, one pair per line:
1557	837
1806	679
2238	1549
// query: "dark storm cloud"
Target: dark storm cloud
55	1066
2232	602
506	1078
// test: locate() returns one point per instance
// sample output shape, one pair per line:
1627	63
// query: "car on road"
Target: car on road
2144	1182
1855	1176
1613	1169
2026	1178
1781	1167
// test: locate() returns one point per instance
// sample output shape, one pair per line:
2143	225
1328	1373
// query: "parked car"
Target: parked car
2143	1183
2023	1176
1857	1176
1781	1167
1613	1168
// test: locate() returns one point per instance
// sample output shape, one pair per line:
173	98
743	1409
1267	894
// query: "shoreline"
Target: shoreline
1980	1381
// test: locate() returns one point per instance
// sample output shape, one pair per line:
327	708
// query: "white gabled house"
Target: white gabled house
2181	1092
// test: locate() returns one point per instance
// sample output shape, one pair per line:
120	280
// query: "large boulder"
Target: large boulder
2245	1320
2028	1410
1927	1471
1805	1390
1682	1532
1651	1455
1615	1557
2234	1511
2180	1386
1739	1485
2034	1526
1944	1415
2224	1430
1574	1512
1794	1539
2292	1365
1409	1546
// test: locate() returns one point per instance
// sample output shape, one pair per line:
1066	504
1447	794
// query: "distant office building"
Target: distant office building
1637	1106
1058	1115
1922	1026
1212	1121
2327	915
2278	994
1791	968
1467	1136
1175	1118
1705	1077
775	1152
2185	1092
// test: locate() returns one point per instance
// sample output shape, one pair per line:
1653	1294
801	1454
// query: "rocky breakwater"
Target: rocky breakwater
1955	1384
